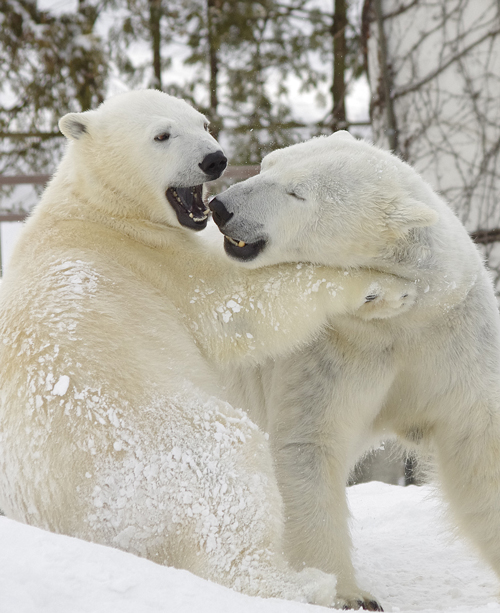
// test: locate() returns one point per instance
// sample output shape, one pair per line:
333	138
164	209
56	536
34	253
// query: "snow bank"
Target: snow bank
403	552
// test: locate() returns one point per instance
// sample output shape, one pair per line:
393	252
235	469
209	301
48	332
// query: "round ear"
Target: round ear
269	160
342	134
409	213
74	125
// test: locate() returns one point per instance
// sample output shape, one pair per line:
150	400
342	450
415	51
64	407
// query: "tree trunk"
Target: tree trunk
387	85
85	77
154	27
214	8
339	23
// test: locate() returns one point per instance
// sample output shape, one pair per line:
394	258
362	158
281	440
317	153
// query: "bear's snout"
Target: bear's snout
219	212
214	164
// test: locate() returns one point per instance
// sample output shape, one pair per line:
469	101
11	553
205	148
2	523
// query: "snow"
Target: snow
61	387
404	553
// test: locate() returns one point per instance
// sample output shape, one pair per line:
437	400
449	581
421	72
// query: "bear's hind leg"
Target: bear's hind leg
468	459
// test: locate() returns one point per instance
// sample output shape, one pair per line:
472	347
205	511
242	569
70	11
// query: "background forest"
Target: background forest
239	62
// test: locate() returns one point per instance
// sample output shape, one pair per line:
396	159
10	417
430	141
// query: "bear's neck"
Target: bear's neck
74	195
133	200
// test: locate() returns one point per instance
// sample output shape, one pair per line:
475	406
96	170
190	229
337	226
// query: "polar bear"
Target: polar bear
431	377
113	427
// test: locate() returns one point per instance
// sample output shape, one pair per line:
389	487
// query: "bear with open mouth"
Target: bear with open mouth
114	425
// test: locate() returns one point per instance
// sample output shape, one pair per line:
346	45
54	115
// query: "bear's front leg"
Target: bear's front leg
316	406
261	313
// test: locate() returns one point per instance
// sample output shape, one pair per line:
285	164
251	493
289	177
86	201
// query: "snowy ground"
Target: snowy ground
404	555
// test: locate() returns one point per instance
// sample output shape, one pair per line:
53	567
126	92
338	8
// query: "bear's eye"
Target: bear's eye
292	193
162	137
205	125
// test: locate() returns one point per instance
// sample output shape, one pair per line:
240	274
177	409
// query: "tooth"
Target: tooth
191	215
236	243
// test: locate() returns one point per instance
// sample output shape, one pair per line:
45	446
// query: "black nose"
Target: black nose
219	212
214	164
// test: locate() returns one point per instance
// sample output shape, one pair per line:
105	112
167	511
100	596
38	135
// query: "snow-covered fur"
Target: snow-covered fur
430	376
112	425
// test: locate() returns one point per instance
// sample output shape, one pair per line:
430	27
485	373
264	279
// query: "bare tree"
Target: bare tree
435	65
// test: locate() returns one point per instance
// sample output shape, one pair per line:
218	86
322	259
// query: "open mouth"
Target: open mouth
188	205
241	250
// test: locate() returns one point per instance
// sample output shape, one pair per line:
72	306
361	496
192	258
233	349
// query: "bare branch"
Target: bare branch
400	10
401	91
21	135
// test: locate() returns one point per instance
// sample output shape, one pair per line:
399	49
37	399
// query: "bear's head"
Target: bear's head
331	200
145	154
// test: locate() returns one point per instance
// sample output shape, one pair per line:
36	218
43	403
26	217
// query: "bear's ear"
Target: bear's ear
342	134
268	161
74	125
409	213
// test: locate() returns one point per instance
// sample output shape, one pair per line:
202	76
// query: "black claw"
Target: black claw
370	605
360	603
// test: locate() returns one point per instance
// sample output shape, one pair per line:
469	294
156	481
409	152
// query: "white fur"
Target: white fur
112	424
430	376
